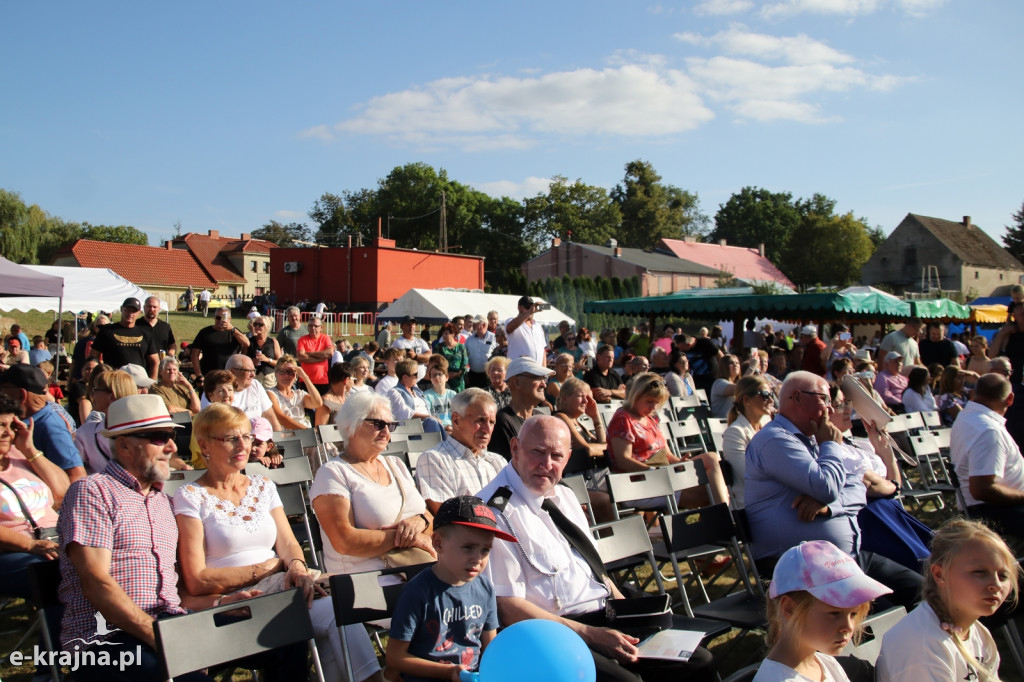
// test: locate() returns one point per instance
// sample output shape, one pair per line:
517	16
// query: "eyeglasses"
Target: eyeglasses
233	441
155	437
842	404
286	372
258	324
380	424
243	369
823	396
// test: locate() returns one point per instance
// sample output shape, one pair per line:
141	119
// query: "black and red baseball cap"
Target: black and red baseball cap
469	511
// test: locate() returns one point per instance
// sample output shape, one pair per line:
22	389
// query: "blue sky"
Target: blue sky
224	115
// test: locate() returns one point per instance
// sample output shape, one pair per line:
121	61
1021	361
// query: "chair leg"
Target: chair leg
1014	643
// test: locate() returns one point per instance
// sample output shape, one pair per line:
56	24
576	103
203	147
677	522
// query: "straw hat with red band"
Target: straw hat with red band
136	413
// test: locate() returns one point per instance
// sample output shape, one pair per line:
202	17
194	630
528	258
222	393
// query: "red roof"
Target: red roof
211	252
142	264
741	262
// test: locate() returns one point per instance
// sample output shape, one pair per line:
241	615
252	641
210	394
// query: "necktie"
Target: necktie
577	538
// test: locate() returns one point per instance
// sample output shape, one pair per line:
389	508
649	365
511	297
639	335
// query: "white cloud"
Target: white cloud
529	187
722	7
850	8
636	96
290	215
800	49
319	132
745	80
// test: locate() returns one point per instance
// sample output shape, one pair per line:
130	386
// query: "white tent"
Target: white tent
89	289
441	305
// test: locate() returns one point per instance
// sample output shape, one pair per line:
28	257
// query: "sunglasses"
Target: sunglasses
764	394
258	324
286	372
155	437
380	424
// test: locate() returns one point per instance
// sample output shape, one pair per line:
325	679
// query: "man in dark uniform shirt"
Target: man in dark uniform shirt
163	335
125	342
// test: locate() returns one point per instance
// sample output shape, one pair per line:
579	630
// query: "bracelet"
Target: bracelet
301	561
422	516
35	456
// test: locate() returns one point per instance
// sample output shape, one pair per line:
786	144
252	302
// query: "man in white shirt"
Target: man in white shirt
250	396
526	336
479	347
546	576
987	460
461	465
415	347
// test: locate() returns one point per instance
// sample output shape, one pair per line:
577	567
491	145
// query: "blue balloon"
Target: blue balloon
537	650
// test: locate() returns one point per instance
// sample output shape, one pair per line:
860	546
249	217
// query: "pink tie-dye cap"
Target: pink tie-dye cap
828	573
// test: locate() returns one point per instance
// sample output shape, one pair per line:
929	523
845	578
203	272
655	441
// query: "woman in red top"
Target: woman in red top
634	433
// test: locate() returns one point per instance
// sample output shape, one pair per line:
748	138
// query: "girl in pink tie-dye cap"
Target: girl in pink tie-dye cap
817	600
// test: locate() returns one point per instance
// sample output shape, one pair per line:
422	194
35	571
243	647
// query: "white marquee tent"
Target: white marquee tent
441	305
88	289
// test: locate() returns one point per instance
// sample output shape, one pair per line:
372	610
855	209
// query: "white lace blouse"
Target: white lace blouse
234	535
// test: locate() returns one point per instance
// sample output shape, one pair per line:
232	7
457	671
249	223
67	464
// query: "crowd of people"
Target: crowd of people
515	410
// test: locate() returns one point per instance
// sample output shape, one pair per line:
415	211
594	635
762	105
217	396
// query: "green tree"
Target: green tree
502	241
18	241
756	216
54	236
281	234
121	234
332	219
827	249
576	212
652	211
1013	239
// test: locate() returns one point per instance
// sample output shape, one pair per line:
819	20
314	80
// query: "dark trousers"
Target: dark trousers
699	668
904	583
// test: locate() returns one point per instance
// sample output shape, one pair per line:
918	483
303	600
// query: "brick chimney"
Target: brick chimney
967	221
760	249
246	236
690	238
556	242
618	252
721	242
168	244
214	233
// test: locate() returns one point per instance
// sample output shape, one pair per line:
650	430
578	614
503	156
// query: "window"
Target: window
910	256
976	275
266	266
253	267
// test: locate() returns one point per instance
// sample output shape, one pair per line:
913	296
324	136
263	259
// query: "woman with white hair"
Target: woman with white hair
174	388
367	504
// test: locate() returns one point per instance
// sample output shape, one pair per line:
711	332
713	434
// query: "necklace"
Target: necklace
362	467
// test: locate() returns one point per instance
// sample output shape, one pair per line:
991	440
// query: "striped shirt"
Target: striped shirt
451	469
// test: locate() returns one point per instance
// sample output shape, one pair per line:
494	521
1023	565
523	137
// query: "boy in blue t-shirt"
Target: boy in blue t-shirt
447	615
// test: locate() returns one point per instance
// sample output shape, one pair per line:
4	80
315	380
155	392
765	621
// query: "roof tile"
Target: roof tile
743	263
142	264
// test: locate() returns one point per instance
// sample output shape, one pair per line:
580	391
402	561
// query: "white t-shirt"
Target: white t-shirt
94	448
772	671
373	506
902	344
233	535
917	648
529	340
720	402
416	345
385	384
253	400
293	407
915	402
980	445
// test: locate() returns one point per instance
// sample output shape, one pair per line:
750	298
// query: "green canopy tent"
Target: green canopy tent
939	308
860	307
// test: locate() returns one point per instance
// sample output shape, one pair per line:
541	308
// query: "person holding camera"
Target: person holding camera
839	348
526	337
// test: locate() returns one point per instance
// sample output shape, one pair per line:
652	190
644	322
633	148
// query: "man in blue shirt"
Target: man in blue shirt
797	488
52	431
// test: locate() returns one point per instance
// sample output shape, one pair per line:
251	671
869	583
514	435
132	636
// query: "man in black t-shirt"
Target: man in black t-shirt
604	382
937	348
213	345
125	342
163	336
703	356
526	383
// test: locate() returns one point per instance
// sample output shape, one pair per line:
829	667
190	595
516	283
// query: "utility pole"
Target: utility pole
443	241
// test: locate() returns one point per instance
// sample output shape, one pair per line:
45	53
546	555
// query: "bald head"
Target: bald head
804	400
994	392
540	452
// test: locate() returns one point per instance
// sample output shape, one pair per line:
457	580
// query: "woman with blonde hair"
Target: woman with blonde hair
290	403
497	387
104	388
979	356
952	396
752	408
724	388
